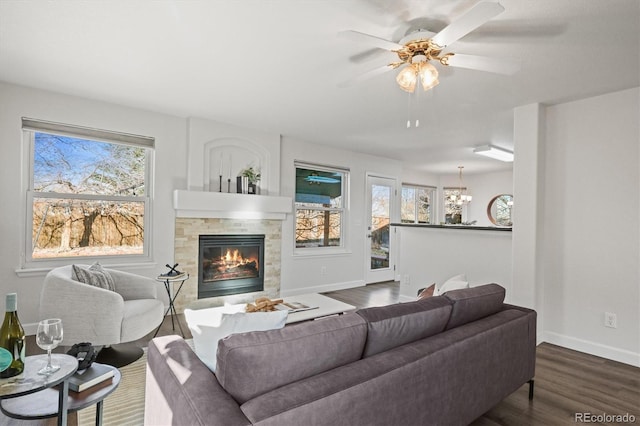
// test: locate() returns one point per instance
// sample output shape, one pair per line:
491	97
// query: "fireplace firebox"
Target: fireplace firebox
230	264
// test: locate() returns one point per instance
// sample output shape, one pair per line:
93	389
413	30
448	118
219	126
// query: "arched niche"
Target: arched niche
226	157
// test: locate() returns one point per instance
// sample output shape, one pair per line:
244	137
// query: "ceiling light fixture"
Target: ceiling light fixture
461	198
418	70
494	152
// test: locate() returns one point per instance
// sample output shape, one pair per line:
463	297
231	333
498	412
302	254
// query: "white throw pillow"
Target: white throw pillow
208	326
453	283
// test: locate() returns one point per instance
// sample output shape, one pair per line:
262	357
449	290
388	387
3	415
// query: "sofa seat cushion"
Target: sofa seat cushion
402	323
473	303
251	364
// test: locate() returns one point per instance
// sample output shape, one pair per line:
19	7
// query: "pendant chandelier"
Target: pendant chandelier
461	198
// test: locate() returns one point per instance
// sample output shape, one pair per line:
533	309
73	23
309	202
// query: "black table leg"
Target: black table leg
63	401
99	413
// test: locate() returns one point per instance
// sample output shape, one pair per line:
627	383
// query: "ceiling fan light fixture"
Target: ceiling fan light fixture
407	78
495	152
423	71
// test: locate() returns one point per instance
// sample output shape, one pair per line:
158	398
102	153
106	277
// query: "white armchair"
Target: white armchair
100	316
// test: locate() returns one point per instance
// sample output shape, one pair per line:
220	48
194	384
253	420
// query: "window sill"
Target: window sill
321	253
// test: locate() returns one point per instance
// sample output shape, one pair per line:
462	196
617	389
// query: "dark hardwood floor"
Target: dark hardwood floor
566	382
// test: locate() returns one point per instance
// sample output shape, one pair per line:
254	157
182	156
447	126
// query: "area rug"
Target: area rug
125	406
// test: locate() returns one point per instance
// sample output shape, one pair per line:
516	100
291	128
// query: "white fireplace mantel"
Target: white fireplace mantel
202	204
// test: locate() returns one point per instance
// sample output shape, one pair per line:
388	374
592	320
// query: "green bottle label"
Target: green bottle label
5	359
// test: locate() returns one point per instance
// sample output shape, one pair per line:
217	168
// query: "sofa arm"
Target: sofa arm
88	313
132	286
180	389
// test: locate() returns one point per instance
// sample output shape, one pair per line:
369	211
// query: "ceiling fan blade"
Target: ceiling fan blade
476	16
365	76
483	63
369	39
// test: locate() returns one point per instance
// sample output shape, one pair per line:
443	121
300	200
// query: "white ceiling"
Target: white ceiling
276	65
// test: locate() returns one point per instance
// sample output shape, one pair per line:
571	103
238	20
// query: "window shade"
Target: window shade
86	132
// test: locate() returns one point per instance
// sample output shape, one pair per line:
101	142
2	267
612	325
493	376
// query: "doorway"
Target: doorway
380	240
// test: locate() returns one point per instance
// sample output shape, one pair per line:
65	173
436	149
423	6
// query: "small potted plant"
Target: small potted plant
252	176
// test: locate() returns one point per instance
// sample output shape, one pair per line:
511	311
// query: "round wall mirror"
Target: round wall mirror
499	210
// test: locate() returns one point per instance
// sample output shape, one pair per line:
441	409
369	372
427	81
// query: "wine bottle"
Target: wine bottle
12	347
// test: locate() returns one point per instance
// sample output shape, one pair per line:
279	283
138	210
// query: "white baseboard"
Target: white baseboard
322	288
593	348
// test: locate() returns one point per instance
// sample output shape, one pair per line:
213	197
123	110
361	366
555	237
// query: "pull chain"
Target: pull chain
408	110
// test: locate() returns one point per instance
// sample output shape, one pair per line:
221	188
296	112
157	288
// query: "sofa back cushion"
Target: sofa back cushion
473	303
250	364
402	323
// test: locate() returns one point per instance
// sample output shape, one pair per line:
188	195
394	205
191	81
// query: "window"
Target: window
88	192
320	206
453	208
417	204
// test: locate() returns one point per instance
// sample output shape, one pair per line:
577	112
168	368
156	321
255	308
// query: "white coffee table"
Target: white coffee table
323	306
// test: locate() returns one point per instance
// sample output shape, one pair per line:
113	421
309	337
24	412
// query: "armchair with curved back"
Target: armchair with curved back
104	317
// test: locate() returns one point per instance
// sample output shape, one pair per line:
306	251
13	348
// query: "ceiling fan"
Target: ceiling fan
418	49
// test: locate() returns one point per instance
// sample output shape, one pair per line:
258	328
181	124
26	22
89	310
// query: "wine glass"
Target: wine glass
48	336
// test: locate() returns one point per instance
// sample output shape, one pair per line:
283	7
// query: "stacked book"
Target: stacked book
172	275
293	307
92	376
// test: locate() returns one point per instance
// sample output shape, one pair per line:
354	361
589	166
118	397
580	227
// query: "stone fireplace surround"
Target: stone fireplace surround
187	234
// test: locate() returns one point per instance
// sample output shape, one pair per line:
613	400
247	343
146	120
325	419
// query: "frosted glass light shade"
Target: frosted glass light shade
428	76
407	78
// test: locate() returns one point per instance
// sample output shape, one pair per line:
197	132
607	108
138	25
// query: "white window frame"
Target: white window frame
29	128
432	210
343	210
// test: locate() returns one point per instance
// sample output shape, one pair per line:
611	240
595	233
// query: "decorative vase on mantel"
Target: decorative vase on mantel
248	180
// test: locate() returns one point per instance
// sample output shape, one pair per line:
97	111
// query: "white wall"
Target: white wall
433	255
528	217
592	233
302	274
170	172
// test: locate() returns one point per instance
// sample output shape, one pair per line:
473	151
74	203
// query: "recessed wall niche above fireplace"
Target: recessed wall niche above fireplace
230	264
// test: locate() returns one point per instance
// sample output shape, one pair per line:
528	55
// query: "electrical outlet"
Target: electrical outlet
323	270
610	320
407	279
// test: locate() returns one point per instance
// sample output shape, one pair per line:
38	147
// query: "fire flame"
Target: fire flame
234	258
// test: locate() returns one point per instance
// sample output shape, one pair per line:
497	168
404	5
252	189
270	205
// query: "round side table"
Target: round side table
43	405
30	382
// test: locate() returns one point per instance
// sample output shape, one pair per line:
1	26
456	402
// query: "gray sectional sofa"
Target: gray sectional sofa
444	360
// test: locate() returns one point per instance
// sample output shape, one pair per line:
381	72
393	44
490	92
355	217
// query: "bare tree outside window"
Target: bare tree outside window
416	204
452	210
88	197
